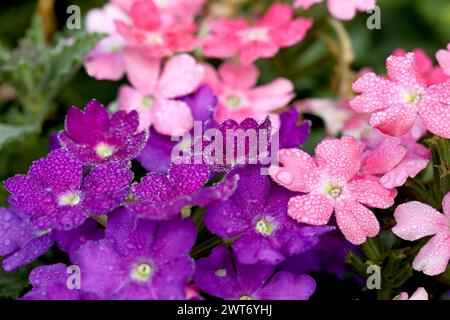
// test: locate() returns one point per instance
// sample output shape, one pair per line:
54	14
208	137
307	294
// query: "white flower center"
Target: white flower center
154	38
104	150
142	272
221	273
69	198
264	227
257	34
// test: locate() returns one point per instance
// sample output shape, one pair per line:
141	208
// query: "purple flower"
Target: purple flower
96	137
159	196
257	213
50	283
327	256
20	242
55	194
156	155
292	135
221	275
139	259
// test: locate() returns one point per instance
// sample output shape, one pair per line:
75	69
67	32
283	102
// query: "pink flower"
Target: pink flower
419	294
340	9
154	91
416	220
239	98
105	61
396	101
424	63
170	10
148	31
331	183
276	29
443	56
393	159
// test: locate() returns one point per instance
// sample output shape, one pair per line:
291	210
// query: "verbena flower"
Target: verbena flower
56	195
340	9
419	294
20	242
331	183
139	259
154	91
221	275
257	215
50	283
157	153
292	134
396	101
443	56
276	29
431	74
240	98
416	220
161	196
94	137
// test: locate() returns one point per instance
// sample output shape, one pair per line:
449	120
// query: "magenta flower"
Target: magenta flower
257	213
331	184
56	195
240	98
139	259
94	137
221	275
443	56
416	220
161	196
20	242
154	91
396	101
276	29
340	9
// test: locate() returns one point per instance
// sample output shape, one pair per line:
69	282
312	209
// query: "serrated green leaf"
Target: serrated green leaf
9	132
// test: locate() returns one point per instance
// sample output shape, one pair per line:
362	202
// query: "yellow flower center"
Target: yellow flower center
245	298
264	227
412	98
148	101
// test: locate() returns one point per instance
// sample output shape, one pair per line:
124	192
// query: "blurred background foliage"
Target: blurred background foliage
40	71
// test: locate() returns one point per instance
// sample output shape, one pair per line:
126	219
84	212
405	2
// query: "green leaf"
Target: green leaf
12	285
9	132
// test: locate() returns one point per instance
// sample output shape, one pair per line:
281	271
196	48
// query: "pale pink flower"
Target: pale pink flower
240	98
416	220
334	113
443	56
419	294
332	184
105	61
340	9
393	159
396	101
153	91
276	29
432	74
